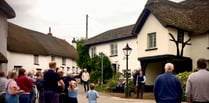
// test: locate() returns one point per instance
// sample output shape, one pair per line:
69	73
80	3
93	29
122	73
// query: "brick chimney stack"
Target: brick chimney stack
50	31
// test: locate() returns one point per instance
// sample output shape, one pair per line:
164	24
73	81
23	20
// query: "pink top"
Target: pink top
10	83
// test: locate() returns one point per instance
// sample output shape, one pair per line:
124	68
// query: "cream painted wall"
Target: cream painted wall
27	61
199	48
120	59
152	71
153	25
3	38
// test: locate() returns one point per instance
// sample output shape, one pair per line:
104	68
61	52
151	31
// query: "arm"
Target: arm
188	90
62	84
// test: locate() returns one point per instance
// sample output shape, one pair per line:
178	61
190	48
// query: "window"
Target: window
63	61
113	49
93	51
180	36
52	58
36	60
152	40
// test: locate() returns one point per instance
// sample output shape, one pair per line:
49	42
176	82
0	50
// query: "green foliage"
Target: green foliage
83	52
183	78
93	65
113	81
95	76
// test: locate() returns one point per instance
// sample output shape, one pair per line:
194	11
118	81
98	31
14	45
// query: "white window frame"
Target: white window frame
36	60
63	60
114	49
93	51
151	40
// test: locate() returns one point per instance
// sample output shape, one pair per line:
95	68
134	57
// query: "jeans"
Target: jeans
24	98
86	85
11	98
50	97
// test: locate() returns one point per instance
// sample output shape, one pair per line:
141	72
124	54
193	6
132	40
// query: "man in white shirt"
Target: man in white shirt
85	78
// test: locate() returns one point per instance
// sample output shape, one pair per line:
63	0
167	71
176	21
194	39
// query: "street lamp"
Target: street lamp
102	55
127	51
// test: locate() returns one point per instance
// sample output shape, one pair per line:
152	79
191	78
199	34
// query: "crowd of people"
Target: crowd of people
50	86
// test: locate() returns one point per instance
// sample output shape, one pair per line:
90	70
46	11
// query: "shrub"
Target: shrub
183	78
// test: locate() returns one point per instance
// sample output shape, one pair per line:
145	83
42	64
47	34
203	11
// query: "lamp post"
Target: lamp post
102	55
127	51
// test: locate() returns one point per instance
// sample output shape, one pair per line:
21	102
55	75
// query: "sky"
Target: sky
67	18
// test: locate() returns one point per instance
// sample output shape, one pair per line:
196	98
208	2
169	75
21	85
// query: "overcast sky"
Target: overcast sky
67	18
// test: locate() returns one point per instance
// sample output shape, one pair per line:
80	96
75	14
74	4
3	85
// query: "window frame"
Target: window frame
180	36
93	51
63	60
113	49
152	40
36	59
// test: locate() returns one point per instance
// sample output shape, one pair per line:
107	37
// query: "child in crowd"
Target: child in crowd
92	94
72	92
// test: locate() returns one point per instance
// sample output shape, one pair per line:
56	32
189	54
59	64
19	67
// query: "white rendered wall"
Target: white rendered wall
27	61
120	59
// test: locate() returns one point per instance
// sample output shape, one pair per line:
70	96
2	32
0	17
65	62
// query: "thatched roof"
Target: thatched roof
3	59
189	15
111	35
27	41
6	9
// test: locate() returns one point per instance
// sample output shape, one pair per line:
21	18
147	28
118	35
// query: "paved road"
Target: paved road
105	98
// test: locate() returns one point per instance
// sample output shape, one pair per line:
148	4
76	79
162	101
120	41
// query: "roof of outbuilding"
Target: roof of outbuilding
111	35
27	41
189	15
6	9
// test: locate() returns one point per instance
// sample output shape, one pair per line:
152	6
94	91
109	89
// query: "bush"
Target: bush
183	78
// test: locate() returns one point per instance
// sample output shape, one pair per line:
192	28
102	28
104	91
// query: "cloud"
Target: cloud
68	17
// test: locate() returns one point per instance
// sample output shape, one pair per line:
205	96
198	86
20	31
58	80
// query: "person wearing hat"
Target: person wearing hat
85	78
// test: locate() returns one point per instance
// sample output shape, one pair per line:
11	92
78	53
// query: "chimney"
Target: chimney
50	31
74	43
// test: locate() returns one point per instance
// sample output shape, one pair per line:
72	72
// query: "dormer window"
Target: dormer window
180	36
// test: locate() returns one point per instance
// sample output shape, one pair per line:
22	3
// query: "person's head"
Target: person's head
60	72
73	83
53	65
92	86
2	74
39	75
140	72
201	63
69	74
21	72
85	70
169	67
12	75
31	73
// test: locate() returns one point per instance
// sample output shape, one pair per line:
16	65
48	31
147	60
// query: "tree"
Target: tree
93	65
83	52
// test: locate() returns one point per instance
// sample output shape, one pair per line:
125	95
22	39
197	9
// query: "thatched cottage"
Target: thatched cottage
165	31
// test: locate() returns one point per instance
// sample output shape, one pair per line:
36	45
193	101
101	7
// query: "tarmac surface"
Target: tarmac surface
105	98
